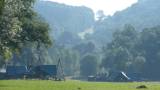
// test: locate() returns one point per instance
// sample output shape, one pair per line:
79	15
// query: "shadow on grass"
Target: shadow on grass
4	86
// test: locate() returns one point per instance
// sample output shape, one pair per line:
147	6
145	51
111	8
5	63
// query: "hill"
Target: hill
63	17
143	14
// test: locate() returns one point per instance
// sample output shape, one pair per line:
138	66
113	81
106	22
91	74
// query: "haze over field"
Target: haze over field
108	6
66	30
119	42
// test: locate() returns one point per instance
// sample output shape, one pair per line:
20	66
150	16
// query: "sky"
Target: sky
108	6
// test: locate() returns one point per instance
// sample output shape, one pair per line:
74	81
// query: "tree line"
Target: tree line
133	51
25	40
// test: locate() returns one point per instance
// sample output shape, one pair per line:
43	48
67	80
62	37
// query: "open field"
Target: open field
72	85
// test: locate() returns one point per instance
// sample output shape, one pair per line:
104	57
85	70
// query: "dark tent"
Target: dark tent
91	78
119	77
46	70
136	76
16	71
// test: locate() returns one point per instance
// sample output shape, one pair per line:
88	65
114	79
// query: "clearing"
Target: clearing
73	85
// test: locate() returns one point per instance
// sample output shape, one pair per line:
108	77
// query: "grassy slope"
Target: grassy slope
71	85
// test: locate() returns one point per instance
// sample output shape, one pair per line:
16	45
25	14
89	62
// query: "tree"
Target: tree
1	5
20	26
120	52
85	48
149	46
88	65
100	15
134	52
138	64
68	39
68	56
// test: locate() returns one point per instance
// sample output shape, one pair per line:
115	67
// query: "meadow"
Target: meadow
73	85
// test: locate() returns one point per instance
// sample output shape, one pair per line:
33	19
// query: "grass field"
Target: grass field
72	85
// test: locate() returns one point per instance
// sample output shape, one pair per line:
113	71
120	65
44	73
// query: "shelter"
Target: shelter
136	76
119	77
91	78
16	71
37	72
46	70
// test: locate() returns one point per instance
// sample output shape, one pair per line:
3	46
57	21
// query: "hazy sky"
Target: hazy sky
108	6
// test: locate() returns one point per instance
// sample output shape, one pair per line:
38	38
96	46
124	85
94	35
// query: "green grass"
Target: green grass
72	85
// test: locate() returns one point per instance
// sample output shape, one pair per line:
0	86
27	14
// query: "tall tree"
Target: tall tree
19	26
149	46
88	65
120	52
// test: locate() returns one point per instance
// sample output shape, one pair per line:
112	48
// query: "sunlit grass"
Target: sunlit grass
72	85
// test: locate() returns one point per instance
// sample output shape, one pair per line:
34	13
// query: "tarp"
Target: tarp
46	69
16	70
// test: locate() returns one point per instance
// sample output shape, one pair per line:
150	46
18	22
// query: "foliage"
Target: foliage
69	58
1	5
150	47
31	56
88	65
67	38
19	25
143	14
85	48
131	51
120	52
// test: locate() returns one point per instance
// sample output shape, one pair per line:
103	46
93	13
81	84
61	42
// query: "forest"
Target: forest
42	32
